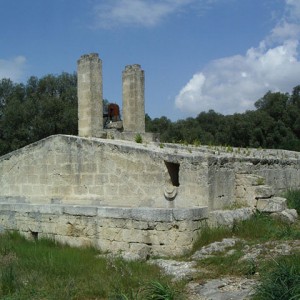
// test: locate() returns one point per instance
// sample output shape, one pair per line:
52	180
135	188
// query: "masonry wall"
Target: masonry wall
235	178
74	170
68	169
138	231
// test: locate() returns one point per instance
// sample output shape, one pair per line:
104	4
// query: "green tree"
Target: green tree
36	110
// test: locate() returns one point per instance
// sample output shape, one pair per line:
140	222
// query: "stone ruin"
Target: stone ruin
90	101
142	198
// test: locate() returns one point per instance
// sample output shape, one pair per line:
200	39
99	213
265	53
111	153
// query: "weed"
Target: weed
229	149
235	205
138	138
250	268
158	291
196	143
260	181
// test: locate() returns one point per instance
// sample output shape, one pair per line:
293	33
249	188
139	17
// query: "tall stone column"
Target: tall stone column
133	99
90	99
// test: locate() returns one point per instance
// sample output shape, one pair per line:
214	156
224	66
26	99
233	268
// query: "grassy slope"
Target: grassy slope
44	270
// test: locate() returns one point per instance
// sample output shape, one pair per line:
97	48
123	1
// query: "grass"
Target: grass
44	270
259	228
280	279
293	199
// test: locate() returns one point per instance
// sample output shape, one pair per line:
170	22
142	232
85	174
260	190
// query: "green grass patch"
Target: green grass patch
280	279
45	270
259	228
293	199
211	234
223	264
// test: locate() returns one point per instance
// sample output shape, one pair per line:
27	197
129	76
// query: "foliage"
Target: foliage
280	280
46	106
37	109
274	124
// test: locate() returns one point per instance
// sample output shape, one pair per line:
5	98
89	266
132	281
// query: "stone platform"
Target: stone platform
140	231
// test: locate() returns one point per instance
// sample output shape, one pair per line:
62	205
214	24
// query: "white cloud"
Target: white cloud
233	84
12	68
136	12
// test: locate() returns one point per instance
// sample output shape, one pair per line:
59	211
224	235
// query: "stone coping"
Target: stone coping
171	151
134	213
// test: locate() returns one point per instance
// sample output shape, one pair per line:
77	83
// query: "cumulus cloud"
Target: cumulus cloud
136	12
233	84
12	68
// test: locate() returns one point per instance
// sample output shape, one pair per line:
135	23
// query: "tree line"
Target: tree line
49	105
275	123
32	111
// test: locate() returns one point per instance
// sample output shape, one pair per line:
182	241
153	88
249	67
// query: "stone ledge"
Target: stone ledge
136	213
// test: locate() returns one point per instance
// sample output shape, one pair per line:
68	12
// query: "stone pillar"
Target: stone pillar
90	99
133	99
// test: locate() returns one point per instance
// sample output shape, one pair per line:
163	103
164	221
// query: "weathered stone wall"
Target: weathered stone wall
121	195
133	99
68	169
141	231
90	98
238	179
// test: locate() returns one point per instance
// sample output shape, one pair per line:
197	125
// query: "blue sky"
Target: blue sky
197	54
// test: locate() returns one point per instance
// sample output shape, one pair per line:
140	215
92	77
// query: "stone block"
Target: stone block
229	217
198	213
263	191
271	205
288	216
75	210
